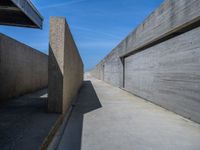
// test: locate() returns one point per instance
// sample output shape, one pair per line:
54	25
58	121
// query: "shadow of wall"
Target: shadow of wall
87	101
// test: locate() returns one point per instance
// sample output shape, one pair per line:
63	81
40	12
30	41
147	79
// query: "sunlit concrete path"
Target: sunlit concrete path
108	118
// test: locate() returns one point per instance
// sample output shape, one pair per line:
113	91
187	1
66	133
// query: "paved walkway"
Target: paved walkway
108	118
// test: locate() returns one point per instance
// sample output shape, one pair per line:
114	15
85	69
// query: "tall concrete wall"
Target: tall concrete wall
160	61
22	68
65	66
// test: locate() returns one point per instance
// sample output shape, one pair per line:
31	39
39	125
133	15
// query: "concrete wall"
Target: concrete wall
160	61
22	68
65	66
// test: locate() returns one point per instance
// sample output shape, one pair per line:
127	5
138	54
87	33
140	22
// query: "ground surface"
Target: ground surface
24	122
108	118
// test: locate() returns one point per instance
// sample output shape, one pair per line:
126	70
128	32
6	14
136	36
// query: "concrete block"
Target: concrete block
65	66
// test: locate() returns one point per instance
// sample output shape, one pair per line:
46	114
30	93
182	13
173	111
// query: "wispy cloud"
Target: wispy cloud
95	31
97	44
62	4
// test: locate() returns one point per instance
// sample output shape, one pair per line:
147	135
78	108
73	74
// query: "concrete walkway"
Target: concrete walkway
108	118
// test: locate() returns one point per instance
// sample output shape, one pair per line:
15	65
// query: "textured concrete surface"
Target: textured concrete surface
25	122
169	18
106	117
65	66
159	60
168	75
22	68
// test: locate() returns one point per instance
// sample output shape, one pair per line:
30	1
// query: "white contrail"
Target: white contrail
62	4
95	31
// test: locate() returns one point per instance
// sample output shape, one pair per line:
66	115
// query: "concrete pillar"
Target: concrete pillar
65	66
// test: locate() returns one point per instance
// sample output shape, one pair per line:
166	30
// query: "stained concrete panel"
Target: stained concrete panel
110	69
168	74
22	68
65	66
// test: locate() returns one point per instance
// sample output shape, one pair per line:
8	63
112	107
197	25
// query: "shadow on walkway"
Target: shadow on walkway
24	122
87	101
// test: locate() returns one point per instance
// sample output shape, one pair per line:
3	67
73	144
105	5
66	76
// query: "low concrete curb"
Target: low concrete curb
52	140
52	133
58	135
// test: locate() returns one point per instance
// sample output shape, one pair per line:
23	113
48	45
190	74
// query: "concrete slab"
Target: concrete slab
20	13
108	118
24	122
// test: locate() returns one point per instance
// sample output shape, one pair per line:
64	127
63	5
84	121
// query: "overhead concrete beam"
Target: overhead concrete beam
20	13
65	66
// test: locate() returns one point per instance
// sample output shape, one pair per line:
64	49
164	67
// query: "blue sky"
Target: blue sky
97	25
